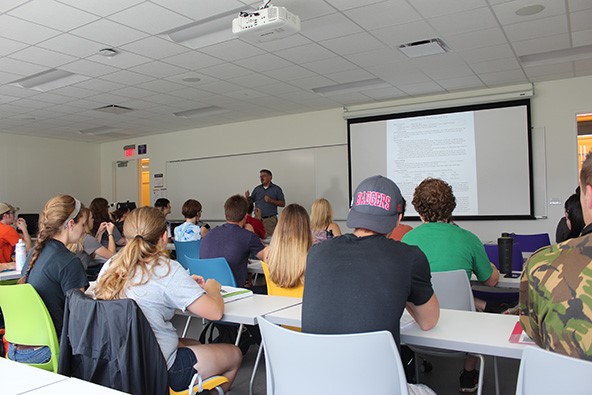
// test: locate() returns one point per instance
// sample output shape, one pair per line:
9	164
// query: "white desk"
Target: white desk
246	311
503	283
254	266
480	333
75	386
17	378
10	275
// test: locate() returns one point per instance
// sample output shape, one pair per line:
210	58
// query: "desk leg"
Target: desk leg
497	389
240	332
186	327
255	369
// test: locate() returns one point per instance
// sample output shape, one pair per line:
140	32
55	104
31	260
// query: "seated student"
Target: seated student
99	208
143	272
555	292
289	246
233	242
563	231
52	269
190	230
401	229
321	221
8	235
164	205
254	224
118	216
449	247
88	248
362	282
574	219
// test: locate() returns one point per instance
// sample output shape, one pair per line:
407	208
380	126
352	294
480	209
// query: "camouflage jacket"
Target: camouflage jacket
556	297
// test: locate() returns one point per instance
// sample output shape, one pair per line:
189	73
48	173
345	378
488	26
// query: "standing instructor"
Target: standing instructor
267	197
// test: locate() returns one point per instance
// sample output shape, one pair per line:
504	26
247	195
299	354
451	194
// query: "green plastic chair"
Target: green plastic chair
28	322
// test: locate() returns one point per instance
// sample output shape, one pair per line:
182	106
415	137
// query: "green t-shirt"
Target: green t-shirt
449	247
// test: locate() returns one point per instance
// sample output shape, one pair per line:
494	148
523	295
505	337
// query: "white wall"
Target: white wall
554	108
35	169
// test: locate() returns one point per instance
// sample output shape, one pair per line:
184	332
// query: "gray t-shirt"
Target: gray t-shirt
166	291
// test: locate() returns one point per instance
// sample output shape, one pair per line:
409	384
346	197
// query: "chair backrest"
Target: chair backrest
274	289
453	290
28	322
531	242
541	372
331	364
517	260
186	248
216	268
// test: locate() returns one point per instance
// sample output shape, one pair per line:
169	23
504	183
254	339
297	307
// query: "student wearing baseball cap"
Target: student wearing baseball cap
362	281
8	234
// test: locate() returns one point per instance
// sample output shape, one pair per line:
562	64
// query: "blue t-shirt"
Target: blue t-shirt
233	243
187	231
258	196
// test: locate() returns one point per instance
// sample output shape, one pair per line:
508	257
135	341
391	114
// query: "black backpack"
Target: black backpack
227	333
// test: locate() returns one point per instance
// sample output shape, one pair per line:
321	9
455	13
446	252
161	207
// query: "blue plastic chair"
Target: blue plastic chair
517	260
186	249
216	268
531	242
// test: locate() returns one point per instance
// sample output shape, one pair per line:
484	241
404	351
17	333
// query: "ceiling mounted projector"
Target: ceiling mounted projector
267	24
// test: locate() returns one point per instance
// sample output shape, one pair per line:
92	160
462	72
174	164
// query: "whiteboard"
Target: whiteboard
304	175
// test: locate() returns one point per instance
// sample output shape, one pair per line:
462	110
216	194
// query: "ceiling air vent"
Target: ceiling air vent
114	109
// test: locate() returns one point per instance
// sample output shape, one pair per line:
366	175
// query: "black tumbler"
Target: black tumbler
504	249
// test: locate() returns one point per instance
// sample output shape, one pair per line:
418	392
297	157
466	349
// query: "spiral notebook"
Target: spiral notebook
230	294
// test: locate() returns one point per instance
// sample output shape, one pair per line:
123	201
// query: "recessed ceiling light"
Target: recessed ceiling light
530	10
348	87
48	80
108	52
200	112
191	79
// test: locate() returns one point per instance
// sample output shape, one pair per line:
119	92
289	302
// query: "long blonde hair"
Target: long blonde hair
58	211
321	215
289	246
143	229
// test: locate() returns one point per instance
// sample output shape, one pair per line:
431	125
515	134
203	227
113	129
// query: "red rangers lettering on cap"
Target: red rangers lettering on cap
373	198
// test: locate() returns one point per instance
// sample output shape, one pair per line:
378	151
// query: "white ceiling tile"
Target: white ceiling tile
23	31
478	39
219	87
154	20
560	68
203	79
225	71
384	93
6	78
9	46
461	83
421	88
42	57
127	77
74	92
109	32
430	8
343	77
198	10
330	65
442	66
7	5
579	5
305	9
305	53
376	57
19	67
193	60
487	53
103	7
232	50
280	88
581	20
379	15
310	83
399	73
506	12
264	62
503	77
295	40
162	86
86	67
254	80
244	94
155	47
544	44
99	85
405	33
581	38
53	14
359	42
495	65
462	22
157	69
72	45
133	92
347	4
123	60
537	28
328	26
290	73
162	98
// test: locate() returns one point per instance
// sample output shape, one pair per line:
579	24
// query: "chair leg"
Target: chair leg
416	361
186	327
238	336
481	373
255	369
497	389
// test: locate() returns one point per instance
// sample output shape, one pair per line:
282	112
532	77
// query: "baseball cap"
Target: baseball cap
375	205
5	208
